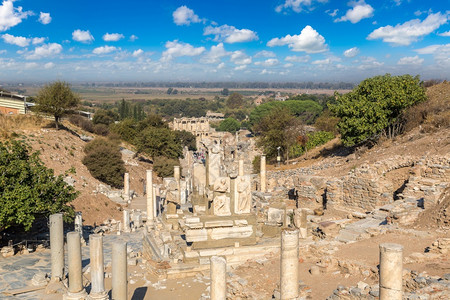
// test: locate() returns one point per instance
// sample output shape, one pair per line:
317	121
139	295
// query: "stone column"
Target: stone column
79	223
57	246
119	271
289	265
391	271
176	174
263	173
126	220
150	204
155	212
76	290
126	186
218	270
233	195
303	228
241	167
97	268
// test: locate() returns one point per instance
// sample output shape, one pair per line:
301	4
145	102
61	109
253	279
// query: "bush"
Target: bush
158	142
313	139
229	124
327	122
28	189
82	122
256	163
163	166
104	161
101	129
105	117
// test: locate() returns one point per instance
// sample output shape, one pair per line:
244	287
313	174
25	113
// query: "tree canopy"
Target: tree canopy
375	106
235	100
56	99
28	189
229	124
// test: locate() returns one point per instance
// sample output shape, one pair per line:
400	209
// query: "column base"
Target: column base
98	296
82	295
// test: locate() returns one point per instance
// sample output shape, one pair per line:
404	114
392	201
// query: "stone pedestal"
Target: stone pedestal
263	173
119	271
97	268
57	246
76	290
150	204
218	270
391	271
126	186
289	265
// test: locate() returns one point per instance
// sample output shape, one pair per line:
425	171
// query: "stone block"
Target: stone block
196	235
275	215
240	222
231	233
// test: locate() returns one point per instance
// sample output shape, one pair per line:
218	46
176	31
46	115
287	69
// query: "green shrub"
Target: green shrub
313	140
256	164
163	166
101	129
229	124
104	161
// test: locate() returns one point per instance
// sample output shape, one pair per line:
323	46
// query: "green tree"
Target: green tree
105	117
225	92
229	124
375	106
235	100
186	139
158	142
56	99
104	161
28	189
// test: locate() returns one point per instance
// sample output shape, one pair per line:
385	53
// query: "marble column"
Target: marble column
97	268
126	186
303	228
176	174
289	265
119	271
76	290
218	270
150	204
241	167
79	223
263	173
391	271
57	246
155	203
126	221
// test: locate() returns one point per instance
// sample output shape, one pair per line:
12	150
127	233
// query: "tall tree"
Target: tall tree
57	99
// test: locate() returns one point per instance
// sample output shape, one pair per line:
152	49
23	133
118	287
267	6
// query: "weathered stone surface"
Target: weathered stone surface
196	235
232	232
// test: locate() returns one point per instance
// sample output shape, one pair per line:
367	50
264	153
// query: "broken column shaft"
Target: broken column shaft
391	271
119	271
126	221
289	265
57	246
218	270
97	268
263	173
150	204
76	289
126	186
241	167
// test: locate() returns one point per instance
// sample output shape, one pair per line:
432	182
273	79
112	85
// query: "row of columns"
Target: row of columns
76	289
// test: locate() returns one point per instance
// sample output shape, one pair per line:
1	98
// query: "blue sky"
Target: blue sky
246	40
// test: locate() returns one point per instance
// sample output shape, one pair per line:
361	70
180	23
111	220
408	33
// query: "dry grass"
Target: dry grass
9	124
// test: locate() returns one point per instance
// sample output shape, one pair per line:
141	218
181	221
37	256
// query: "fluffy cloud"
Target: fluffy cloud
215	54
49	65
16	40
45	18
445	33
133	38
325	61
309	41
83	36
104	50
177	49
298	5
112	37
370	63
10	16
138	52
361	10
45	51
230	34
295	58
240	58
185	16
441	53
268	62
265	53
38	40
352	52
408	32
410	60
240	68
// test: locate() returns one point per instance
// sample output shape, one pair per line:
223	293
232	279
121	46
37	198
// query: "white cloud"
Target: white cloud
298	5
309	41
288	65
49	65
214	55
295	58
265	71
138	52
240	68
221	66
368	63
268	62
112	37
408	32
397	2
430	49
45	51
104	50
83	36
45	18
185	16
230	34
410	60
133	38
332	13
31	65
240	58
38	40
10	16
265	53
325	61
16	40
352	52
361	10
177	49
441	54
445	33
